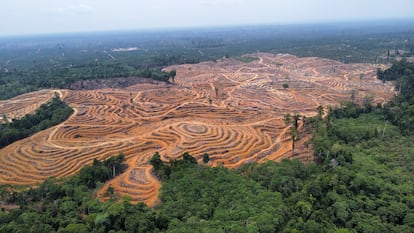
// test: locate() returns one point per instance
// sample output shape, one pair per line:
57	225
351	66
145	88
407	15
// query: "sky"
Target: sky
25	17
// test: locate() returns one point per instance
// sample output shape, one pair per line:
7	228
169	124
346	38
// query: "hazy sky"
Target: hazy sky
49	16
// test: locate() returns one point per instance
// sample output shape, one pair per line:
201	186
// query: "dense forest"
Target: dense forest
401	111
17	82
361	181
32	63
46	116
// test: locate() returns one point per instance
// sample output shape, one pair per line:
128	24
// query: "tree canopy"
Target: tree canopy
46	116
361	182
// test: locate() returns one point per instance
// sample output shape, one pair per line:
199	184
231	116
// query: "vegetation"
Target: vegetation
361	182
401	111
46	116
246	59
16	82
28	64
67	205
360	185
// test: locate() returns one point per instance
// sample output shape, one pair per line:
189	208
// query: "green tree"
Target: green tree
74	228
206	158
188	158
173	73
287	119
320	111
156	161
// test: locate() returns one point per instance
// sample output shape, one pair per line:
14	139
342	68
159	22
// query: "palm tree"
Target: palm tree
294	133
296	118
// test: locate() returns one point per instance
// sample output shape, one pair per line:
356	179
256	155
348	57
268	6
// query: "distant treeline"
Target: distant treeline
46	116
28	64
16	82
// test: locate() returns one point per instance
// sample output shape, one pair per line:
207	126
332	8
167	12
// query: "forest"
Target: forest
46	116
361	181
401	111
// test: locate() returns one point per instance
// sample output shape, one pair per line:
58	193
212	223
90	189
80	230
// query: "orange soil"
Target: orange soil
21	105
243	122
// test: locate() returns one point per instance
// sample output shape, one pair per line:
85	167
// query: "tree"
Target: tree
156	161
294	133
115	164
173	73
296	118
320	111
287	118
188	158
110	190
74	228
303	209
206	158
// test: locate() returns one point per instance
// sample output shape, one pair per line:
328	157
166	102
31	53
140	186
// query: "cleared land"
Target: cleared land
229	109
24	104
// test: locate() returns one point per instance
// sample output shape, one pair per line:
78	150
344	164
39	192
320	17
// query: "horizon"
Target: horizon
349	23
48	17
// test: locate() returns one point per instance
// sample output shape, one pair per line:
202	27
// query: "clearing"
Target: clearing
230	109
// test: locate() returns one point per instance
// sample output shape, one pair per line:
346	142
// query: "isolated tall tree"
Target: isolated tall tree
293	130
296	118
173	73
294	133
206	158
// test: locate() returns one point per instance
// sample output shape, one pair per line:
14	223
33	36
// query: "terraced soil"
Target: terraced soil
231	110
24	104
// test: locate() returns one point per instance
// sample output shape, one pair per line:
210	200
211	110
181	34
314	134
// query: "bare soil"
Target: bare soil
231	110
19	106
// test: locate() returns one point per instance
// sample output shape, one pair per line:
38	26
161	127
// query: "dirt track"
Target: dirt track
231	110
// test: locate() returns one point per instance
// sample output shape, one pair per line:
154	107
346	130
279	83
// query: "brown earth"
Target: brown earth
24	104
231	110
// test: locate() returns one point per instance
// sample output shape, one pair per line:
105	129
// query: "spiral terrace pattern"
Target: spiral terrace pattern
231	110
